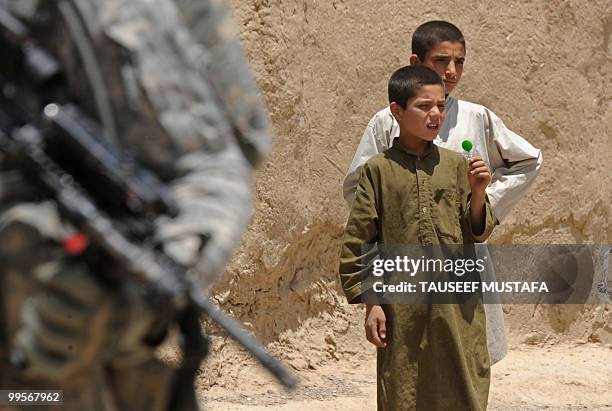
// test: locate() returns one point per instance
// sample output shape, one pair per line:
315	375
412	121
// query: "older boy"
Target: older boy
513	161
431	357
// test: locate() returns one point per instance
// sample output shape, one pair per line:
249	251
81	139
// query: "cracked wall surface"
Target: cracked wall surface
545	67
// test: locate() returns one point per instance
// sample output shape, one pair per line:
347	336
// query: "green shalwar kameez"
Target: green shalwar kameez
436	356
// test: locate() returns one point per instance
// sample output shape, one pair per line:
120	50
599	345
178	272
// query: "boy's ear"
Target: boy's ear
414	60
395	110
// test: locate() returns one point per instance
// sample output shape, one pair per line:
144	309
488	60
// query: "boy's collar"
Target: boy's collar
397	145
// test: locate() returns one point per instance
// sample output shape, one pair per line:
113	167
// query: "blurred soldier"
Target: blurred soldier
183	102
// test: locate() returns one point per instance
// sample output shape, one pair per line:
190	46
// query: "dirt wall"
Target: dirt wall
545	67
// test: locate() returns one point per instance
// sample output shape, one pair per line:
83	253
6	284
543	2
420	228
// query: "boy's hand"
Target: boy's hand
376	325
478	176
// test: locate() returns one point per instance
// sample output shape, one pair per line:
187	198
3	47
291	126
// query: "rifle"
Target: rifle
29	138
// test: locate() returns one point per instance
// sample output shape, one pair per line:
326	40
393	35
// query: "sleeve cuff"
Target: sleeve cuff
355	293
490	220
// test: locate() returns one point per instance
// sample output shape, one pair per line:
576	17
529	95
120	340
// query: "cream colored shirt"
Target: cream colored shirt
514	163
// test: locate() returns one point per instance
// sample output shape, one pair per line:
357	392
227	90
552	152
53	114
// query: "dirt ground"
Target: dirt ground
548	377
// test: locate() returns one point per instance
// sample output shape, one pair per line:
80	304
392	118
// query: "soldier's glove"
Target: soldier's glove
74	322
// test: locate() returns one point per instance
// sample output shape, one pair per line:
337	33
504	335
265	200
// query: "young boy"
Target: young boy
514	162
430	357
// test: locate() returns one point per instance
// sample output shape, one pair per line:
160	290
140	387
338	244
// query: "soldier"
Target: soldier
183	102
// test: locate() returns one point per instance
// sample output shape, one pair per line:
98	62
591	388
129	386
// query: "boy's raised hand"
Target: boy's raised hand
376	325
478	176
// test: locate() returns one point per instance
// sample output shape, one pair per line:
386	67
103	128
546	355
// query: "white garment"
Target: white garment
514	165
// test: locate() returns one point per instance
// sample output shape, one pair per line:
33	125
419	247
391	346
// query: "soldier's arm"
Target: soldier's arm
215	196
227	69
206	102
215	192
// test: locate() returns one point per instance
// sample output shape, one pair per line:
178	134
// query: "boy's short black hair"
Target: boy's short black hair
405	82
427	35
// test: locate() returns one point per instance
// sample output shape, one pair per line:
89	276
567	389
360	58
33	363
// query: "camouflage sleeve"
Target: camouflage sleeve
224	189
215	197
218	141
226	67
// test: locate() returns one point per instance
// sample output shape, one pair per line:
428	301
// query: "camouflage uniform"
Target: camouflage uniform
181	99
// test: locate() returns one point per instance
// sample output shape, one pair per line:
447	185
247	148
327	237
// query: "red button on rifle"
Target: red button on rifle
75	244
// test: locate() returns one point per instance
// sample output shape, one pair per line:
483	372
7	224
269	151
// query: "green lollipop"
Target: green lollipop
467	145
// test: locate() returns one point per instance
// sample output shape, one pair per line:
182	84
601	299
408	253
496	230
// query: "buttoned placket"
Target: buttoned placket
425	194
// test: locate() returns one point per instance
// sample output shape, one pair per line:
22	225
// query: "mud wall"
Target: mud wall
545	67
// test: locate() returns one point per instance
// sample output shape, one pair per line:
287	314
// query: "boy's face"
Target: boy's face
447	59
423	116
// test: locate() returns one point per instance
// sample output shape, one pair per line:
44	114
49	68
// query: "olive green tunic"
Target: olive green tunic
436	356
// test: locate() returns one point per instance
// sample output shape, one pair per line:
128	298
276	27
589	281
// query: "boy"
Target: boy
514	163
430	357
